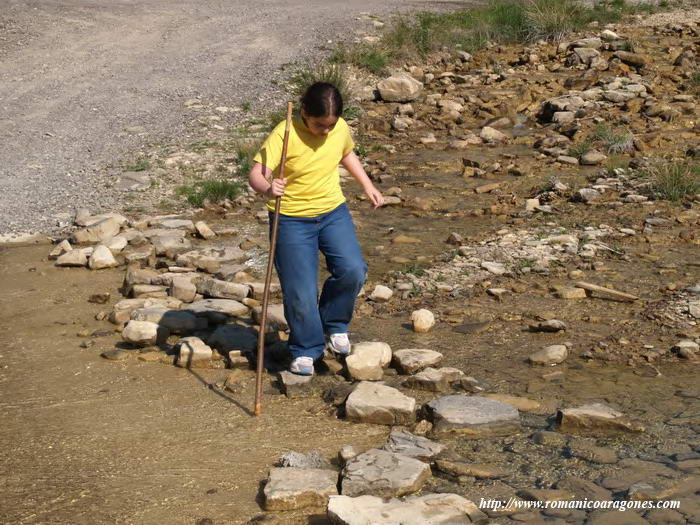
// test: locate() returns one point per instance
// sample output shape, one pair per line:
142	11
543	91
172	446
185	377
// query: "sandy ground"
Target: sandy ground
84	85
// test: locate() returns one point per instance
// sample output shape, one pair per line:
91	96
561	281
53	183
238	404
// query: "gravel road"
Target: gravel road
85	85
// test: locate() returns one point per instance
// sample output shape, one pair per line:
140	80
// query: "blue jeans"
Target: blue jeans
299	240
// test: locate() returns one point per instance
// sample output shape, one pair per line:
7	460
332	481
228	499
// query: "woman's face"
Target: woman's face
319	126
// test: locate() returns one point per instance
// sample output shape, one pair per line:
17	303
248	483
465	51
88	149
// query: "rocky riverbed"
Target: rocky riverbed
528	331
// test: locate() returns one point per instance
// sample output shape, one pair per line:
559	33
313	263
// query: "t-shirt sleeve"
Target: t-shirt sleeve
348	144
270	153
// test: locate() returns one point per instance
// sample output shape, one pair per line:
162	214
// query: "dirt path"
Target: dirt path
85	85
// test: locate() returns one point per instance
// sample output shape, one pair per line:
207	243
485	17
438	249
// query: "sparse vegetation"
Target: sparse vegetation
673	180
138	165
414	268
211	190
695	83
580	149
245	151
615	141
245	106
500	22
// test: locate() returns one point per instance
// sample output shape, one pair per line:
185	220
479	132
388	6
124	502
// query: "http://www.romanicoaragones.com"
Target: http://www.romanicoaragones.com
584	504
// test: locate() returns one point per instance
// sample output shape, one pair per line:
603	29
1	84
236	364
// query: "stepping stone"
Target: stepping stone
595	417
380	404
367	360
211	259
218	289
473	416
417	510
231	337
144	333
177	321
412	360
194	353
550	355
434	379
295	385
407	444
385	474
296	488
217	310
477	470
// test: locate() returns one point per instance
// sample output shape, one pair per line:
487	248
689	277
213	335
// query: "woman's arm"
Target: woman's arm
259	179
351	163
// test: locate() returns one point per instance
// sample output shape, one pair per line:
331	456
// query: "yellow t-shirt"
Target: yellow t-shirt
313	181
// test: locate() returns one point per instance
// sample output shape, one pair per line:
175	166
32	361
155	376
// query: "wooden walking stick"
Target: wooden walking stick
268	275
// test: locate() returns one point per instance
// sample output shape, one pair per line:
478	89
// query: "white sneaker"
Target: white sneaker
303	366
339	344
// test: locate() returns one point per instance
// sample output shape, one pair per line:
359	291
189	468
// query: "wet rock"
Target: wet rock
412	360
407	444
367	360
545	494
552	325
489	134
434	379
592	453
76	258
476	470
615	517
550	355
99	231
217	310
204	231
381	294
385	474
194	353
380	404
222	289
473	416
582	488
423	320
102	258
551	439
295	385
310	460
399	88
298	488
429	509
595	417
116	354
523	404
144	333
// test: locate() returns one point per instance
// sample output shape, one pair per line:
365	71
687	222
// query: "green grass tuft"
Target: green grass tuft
139	165
580	149
615	141
673	180
211	190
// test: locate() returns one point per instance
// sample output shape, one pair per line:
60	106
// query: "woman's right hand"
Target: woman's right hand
276	189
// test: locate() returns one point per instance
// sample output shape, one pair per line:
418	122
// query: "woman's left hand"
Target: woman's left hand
375	196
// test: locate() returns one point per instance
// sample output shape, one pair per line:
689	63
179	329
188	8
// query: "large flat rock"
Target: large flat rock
473	415
385	474
431	509
407	444
595	417
292	488
218	310
412	360
380	404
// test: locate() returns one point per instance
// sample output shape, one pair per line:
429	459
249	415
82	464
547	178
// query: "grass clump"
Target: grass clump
210	190
334	74
245	151
371	58
695	83
138	165
579	150
673	180
615	141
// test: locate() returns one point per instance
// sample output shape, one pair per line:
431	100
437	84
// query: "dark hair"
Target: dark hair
322	100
